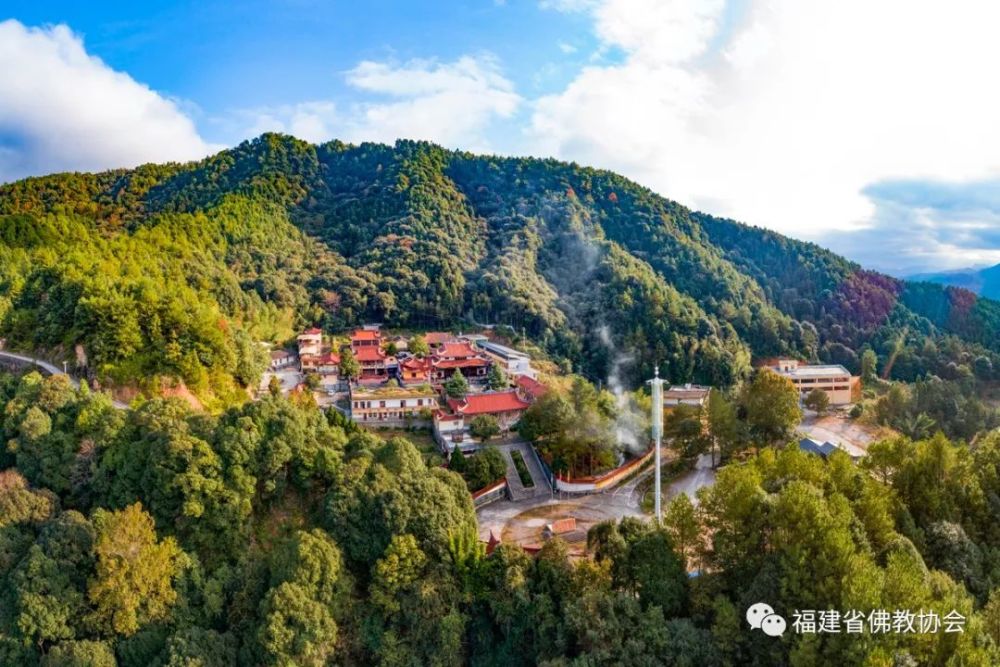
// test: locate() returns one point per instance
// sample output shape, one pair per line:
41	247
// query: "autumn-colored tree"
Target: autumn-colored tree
133	584
418	346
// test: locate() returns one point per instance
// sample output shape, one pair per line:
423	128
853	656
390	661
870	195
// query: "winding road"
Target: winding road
52	369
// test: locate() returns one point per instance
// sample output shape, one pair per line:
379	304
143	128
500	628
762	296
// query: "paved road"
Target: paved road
689	483
628	493
52	369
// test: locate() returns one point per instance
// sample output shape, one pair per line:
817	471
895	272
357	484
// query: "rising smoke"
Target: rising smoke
630	423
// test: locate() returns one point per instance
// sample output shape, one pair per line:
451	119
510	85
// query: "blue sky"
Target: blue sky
790	114
223	57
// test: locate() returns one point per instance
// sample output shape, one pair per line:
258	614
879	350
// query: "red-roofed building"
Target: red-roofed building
437	338
451	427
415	371
497	403
329	364
460	355
560	527
530	388
365	338
373	362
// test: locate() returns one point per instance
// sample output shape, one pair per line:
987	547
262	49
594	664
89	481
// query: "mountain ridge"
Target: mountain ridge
277	233
984	281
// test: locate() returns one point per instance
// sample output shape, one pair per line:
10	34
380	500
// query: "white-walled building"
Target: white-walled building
310	342
513	362
391	403
281	359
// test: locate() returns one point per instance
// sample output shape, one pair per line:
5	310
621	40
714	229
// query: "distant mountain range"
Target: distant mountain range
984	282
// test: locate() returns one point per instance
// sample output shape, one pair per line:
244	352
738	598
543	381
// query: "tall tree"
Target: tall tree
682	524
869	364
771	404
133	583
724	427
456	386
497	379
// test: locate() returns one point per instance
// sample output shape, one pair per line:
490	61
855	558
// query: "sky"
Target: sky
869	127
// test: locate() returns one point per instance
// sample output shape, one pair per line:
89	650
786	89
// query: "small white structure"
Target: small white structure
510	360
686	394
281	359
310	342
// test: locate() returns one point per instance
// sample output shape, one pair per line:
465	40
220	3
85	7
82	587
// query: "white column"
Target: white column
657	420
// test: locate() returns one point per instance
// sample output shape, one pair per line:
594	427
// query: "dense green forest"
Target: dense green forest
275	534
272	533
172	273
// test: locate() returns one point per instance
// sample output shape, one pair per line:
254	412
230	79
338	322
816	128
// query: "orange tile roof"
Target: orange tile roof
489	402
365	334
456	348
438	337
414	364
369	353
530	385
311	332
459	363
560	526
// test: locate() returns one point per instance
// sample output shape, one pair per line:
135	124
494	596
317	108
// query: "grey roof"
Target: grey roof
501	350
813	447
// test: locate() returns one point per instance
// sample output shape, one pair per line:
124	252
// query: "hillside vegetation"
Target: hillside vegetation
166	273
273	534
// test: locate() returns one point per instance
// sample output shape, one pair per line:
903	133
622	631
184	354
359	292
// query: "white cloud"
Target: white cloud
316	122
62	109
922	225
782	114
452	104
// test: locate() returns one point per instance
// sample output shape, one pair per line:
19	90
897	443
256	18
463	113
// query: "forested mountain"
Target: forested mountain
162	272
272	533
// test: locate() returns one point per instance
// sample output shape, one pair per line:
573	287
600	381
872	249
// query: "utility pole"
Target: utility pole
657	386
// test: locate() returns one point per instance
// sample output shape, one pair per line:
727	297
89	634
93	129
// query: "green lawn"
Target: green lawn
522	469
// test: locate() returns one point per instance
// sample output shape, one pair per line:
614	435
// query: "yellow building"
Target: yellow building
835	380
